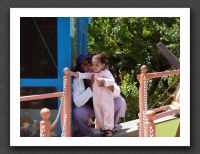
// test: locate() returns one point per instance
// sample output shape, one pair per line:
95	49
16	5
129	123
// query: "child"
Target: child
103	98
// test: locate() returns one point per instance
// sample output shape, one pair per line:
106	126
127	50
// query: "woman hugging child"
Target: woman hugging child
103	98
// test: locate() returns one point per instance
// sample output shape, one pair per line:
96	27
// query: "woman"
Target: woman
82	98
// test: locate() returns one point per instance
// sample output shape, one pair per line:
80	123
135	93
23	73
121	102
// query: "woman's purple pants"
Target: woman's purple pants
81	115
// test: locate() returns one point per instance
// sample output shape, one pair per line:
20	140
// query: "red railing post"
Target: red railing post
151	128
142	96
66	109
44	123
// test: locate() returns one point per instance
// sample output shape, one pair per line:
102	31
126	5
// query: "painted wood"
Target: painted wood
162	74
64	53
172	59
66	109
39	82
41	96
141	100
151	127
167	113
44	123
82	28
163	108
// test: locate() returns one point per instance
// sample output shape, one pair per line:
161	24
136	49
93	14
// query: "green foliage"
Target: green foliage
130	91
164	92
130	43
134	39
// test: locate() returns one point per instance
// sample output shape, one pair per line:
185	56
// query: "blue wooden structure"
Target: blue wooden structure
65	32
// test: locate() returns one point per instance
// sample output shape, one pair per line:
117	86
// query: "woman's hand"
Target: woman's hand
68	72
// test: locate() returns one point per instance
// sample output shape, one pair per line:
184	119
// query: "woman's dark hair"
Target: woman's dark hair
77	67
101	57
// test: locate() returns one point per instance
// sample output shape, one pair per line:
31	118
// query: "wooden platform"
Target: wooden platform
127	129
130	128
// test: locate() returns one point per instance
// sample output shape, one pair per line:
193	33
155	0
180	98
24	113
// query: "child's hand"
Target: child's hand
101	82
111	88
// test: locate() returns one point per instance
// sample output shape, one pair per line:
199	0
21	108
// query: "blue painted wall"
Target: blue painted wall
64	52
82	28
64	48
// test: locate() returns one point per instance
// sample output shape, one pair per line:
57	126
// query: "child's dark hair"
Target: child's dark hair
101	57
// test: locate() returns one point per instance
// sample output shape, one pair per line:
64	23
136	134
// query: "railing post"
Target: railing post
97	125
151	128
66	109
44	123
142	97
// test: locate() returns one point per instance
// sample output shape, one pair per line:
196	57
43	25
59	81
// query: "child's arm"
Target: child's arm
105	81
78	74
108	79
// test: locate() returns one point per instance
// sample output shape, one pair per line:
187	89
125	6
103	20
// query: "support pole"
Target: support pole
66	109
97	125
144	70
151	128
44	124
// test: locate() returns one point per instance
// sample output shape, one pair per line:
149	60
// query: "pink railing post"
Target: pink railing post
66	109
97	125
141	77
146	126
151	128
44	123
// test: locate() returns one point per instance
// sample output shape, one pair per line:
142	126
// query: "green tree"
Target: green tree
130	43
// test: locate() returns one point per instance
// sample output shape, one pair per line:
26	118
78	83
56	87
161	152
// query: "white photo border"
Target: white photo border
16	13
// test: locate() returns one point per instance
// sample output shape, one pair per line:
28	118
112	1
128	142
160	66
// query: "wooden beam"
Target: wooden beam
172	59
163	108
41	96
162	74
163	114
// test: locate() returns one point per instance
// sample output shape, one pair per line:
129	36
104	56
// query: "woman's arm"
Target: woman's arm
68	72
80	97
116	90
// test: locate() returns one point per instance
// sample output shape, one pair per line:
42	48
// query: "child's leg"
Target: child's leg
98	114
103	106
97	104
108	109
